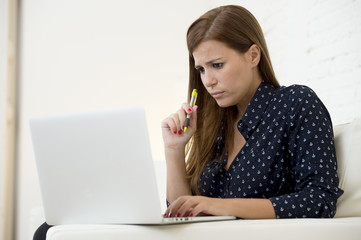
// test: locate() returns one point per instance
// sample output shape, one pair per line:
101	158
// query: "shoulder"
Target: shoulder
301	102
296	96
298	99
295	91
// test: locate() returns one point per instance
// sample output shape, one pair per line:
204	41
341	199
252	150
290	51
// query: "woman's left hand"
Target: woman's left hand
248	208
192	206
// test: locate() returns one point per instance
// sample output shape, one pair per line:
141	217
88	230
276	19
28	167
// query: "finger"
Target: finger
174	208
184	205
182	118
202	208
187	108
178	118
169	123
193	120
196	211
168	212
187	207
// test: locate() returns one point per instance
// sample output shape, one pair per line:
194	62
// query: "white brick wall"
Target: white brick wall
315	43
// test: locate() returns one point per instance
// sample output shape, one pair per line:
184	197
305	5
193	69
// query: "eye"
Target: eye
217	65
200	70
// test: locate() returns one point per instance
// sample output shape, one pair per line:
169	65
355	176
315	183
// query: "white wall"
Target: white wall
79	55
3	70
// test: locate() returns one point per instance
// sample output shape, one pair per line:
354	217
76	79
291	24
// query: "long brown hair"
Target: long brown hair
236	27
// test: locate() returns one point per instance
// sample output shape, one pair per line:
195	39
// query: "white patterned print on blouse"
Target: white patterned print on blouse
289	156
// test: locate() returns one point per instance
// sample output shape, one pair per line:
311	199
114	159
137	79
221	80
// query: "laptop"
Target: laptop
97	168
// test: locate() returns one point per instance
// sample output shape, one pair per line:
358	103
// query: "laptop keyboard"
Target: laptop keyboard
178	219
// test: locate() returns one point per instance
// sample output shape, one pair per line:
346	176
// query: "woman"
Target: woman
254	149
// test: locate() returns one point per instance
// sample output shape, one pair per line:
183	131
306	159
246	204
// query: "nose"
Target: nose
208	79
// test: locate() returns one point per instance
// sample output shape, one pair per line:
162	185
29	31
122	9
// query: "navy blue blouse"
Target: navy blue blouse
289	155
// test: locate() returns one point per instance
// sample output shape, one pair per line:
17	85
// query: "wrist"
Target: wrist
175	157
177	150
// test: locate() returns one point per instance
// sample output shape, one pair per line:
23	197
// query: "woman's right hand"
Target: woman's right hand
175	140
172	127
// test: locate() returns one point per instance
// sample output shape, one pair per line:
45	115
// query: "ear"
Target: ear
255	54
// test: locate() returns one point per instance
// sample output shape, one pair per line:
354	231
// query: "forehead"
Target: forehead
209	50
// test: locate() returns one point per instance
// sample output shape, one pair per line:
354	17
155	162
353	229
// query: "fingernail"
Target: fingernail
175	132
183	128
178	214
179	132
191	214
165	214
189	110
170	214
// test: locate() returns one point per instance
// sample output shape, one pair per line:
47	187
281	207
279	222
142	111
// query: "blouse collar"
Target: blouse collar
255	109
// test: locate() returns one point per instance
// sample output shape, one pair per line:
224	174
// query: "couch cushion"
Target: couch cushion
348	150
275	229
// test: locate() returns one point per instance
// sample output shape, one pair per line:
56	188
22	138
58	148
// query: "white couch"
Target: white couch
346	224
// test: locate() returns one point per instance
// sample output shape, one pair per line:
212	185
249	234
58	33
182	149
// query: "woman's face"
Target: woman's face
230	77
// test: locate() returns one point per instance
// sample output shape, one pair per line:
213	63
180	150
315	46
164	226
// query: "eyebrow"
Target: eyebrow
209	62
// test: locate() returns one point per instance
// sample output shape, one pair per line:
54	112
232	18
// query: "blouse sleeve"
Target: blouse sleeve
312	153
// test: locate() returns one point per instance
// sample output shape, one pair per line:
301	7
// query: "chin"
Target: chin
224	104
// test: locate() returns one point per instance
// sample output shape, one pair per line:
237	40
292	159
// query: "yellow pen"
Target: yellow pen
192	103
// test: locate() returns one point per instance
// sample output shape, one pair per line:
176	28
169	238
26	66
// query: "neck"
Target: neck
241	107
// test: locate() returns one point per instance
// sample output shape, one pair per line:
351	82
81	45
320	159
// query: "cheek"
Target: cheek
202	80
227	76
242	74
235	78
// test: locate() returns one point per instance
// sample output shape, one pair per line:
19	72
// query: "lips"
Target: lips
217	94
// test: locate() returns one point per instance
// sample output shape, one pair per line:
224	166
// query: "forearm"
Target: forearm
248	208
177	183
251	208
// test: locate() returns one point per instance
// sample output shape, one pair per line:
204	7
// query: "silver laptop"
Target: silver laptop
96	168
